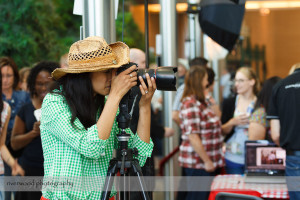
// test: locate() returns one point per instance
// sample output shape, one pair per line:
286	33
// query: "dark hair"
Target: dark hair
210	76
193	83
7	61
198	61
79	94
47	66
1	102
265	93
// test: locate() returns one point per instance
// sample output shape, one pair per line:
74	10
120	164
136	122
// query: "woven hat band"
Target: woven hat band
103	56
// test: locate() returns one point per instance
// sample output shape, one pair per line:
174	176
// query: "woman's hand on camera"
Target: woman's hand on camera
123	82
147	92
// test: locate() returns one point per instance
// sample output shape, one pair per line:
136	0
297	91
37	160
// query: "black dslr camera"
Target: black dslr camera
164	76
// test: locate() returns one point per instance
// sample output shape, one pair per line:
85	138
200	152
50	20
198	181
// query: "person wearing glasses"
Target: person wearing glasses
15	99
235	118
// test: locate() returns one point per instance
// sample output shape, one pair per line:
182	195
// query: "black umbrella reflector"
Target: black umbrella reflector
221	20
235	1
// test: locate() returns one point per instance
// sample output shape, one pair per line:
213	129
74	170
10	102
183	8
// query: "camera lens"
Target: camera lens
165	77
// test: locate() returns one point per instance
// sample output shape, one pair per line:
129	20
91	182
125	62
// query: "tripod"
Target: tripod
124	161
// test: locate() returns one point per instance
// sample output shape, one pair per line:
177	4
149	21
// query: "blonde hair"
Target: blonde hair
24	72
250	74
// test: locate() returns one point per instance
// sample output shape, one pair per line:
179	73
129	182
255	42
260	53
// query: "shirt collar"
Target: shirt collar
296	70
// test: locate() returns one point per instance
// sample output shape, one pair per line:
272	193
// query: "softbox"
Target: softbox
221	20
235	1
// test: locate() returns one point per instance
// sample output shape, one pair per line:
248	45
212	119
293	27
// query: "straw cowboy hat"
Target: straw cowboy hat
93	54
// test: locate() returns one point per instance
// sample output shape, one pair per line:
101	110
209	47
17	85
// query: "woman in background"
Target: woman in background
5	154
15	99
235	119
201	147
26	131
259	127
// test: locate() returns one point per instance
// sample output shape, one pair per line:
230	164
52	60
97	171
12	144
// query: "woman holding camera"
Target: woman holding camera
78	125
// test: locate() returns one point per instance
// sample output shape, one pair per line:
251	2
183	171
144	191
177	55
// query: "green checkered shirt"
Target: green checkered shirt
73	151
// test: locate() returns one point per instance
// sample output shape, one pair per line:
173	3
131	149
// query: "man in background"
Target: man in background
64	61
284	113
157	131
138	56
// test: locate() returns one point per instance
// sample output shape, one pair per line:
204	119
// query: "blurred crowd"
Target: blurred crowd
212	136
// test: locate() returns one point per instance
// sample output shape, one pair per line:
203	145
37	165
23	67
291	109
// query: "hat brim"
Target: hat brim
120	49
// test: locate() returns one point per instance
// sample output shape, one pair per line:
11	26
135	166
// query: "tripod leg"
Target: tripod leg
138	171
125	194
111	171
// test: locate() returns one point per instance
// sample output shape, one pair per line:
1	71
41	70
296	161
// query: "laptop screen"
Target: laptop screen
264	157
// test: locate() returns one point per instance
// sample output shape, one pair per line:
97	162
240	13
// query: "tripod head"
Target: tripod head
123	120
124	117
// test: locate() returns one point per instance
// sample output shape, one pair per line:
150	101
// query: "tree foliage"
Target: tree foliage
35	30
131	33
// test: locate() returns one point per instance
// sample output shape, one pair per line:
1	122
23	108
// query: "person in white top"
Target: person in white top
5	154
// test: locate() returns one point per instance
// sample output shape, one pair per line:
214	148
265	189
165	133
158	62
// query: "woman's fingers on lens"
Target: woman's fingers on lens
142	90
153	83
143	86
142	82
149	82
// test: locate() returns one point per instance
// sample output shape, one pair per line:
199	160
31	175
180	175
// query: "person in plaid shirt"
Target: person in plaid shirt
201	147
78	126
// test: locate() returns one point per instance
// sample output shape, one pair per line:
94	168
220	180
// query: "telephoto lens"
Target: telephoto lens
165	77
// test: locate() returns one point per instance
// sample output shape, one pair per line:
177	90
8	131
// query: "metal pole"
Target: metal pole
191	24
216	92
81	32
198	38
169	58
146	34
196	44
99	19
85	18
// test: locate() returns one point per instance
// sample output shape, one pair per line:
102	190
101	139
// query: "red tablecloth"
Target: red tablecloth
236	184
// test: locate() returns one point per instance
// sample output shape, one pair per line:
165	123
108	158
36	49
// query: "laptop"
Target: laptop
264	162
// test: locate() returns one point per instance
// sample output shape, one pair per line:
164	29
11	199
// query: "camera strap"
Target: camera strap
133	104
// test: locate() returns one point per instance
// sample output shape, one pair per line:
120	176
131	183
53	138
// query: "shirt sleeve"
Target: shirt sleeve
21	113
259	116
144	149
56	120
190	118
177	103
